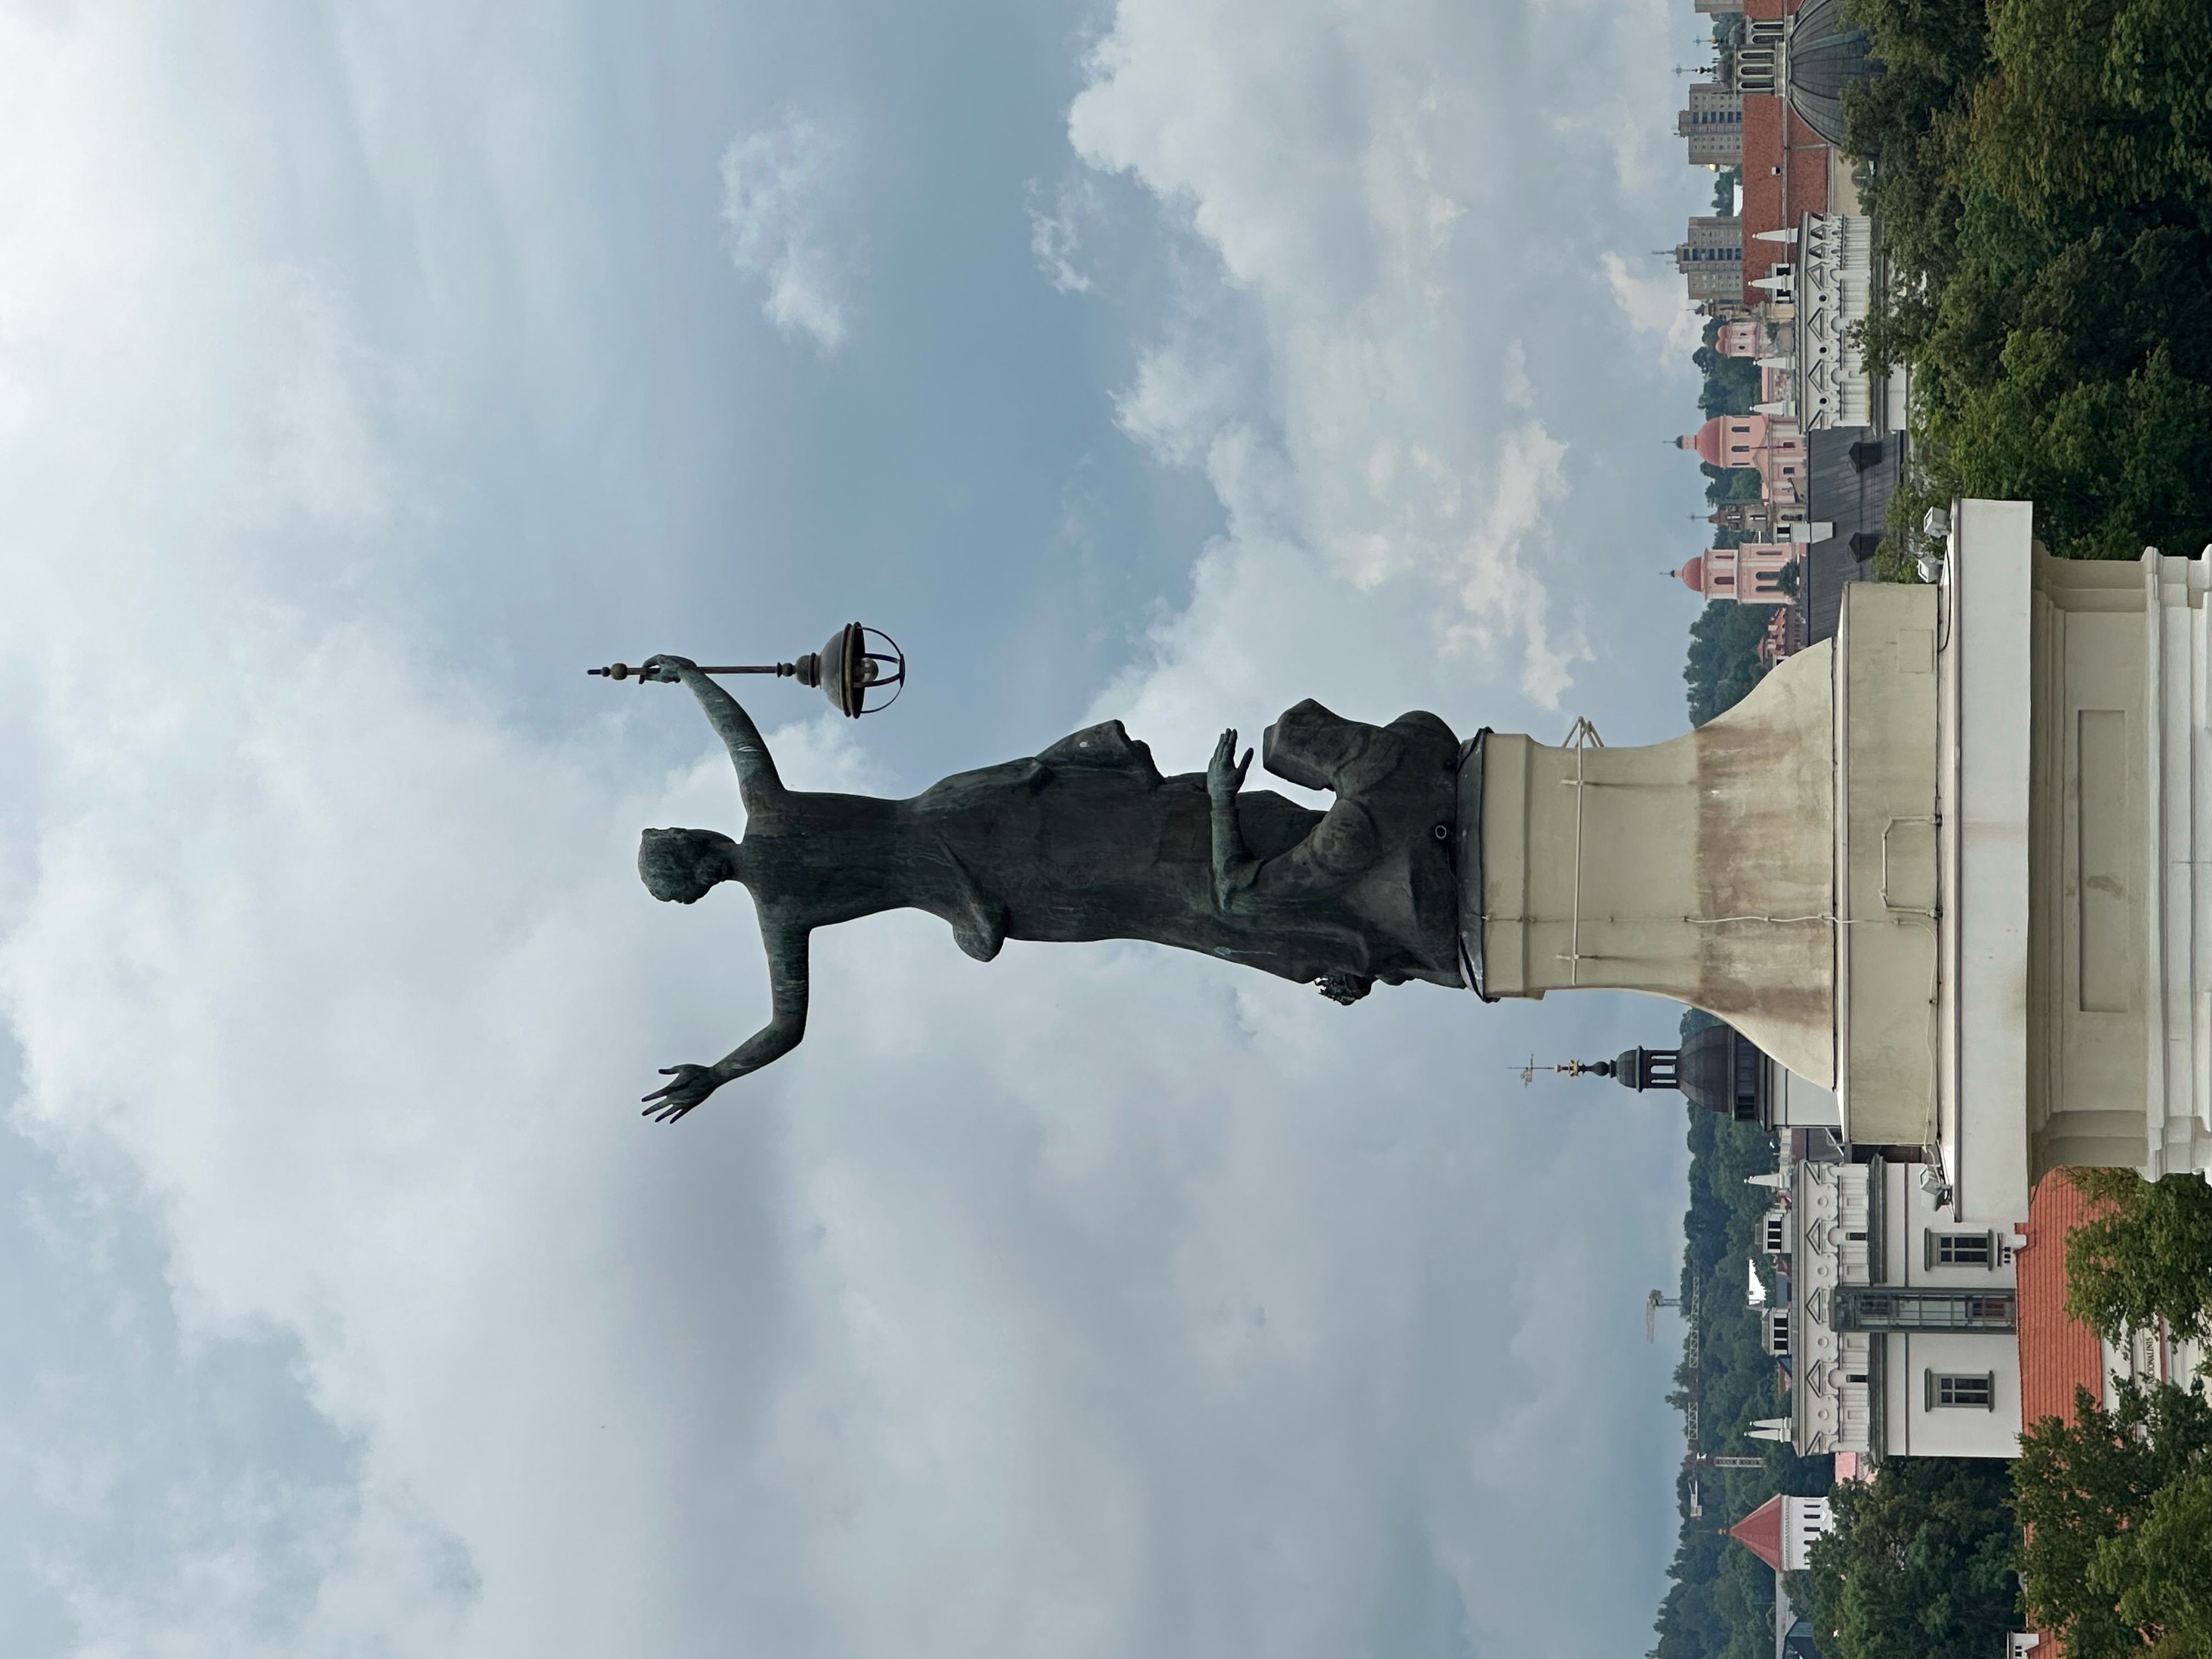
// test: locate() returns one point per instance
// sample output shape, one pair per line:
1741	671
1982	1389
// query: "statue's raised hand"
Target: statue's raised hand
663	668
693	1085
1225	773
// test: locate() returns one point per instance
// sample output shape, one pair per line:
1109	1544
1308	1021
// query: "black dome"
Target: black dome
1827	53
1722	1072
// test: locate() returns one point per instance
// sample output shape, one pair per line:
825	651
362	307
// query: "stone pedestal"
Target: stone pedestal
1953	863
2120	979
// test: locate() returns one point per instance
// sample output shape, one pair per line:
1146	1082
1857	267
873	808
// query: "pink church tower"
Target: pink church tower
1741	338
1750	573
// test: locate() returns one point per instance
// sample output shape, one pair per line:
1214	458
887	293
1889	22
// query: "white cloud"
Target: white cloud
1333	177
1055	237
787	205
1652	301
1621	110
1096	1302
1178	403
1518	389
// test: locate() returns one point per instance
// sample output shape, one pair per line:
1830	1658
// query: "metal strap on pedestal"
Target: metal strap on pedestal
1581	738
1469	862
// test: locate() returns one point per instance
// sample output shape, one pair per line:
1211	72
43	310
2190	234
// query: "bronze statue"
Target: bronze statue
1088	841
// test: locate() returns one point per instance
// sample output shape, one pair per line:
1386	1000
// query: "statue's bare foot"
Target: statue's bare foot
1347	988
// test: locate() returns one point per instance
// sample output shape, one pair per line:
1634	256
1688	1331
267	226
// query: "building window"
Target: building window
1929	1308
1959	1250
1977	1389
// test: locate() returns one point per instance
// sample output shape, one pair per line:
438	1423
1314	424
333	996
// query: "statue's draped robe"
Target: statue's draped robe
1088	841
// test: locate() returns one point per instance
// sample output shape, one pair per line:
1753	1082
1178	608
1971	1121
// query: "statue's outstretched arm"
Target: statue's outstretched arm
758	785
1335	849
1243	883
1235	869
787	977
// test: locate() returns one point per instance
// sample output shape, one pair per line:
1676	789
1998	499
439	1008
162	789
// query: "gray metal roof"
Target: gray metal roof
1851	475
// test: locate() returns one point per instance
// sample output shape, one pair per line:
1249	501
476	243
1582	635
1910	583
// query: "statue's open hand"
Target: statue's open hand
693	1085
663	668
1343	987
1225	773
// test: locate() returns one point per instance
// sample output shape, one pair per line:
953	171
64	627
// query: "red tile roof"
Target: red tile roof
1767	206
1760	1532
2057	1354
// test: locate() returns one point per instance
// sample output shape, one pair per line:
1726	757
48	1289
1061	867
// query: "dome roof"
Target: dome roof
1827	54
1707	442
1717	1071
1721	1072
1694	573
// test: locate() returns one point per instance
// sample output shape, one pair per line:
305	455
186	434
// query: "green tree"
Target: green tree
1920	1563
1720	1604
1731	383
1729	483
1723	661
2160	1575
2145	1256
2041	171
2115	1506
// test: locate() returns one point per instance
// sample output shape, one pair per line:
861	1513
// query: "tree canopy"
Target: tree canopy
1729	483
2042	174
1724	663
1920	1563
1724	187
2116	1508
2145	1256
1731	385
1720	1601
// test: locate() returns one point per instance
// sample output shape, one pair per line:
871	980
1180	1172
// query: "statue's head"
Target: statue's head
683	866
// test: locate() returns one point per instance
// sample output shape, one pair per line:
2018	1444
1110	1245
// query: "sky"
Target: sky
367	371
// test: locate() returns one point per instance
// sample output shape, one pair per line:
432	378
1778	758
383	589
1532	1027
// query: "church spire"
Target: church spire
1637	1068
1585	1068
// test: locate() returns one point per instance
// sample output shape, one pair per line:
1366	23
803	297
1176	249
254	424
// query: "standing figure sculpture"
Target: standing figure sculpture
1087	841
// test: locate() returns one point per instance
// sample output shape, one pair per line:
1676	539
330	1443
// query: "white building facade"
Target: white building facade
1899	1329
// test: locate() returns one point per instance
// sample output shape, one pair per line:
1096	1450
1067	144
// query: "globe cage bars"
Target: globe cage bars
855	664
